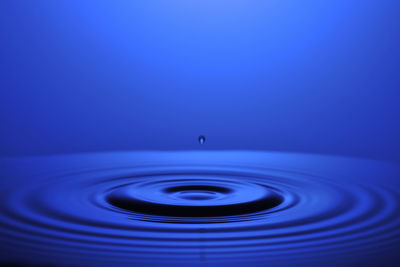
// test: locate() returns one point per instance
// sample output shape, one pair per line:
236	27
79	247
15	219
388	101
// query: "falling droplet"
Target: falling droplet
202	140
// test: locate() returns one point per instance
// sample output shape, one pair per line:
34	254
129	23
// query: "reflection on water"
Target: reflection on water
169	208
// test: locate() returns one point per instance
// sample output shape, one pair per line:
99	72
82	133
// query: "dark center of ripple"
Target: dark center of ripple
194	198
196	195
198	187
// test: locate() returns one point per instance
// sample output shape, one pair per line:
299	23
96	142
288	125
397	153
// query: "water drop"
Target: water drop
202	139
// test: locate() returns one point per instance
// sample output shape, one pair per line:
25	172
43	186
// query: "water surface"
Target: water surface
239	208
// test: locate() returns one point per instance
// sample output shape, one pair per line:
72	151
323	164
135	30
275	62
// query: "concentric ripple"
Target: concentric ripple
194	196
193	207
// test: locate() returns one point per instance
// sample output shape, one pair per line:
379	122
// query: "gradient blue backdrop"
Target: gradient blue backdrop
305	76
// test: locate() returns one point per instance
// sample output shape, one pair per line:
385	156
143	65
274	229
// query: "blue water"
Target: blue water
199	133
239	208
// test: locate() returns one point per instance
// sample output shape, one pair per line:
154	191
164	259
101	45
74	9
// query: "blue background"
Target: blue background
304	76
309	77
